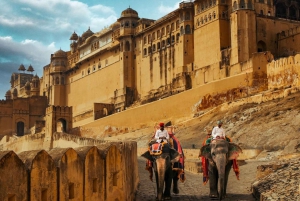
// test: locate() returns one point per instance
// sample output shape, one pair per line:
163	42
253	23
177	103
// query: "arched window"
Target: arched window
163	31
168	29
242	4
177	24
205	18
198	9
187	29
158	33
149	49
145	51
158	46
172	27
57	80
145	40
214	15
210	3
173	39
209	17
181	30
261	46
198	22
153	47
201	20
126	24
149	39
153	36
163	43
127	46
187	16
20	128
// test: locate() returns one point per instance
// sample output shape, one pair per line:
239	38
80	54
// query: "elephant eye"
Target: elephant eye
213	154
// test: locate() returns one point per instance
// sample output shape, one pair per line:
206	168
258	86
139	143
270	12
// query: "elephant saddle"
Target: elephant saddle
156	148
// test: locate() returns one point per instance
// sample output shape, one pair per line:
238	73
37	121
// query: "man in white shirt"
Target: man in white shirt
218	131
162	134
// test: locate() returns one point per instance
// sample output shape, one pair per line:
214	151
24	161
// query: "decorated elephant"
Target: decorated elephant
162	165
220	154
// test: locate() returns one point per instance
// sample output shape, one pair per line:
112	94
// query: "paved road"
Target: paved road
192	189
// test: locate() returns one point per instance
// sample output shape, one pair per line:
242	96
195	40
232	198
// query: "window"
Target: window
172	27
187	29
149	39
149	49
145	40
126	24
158	46
187	16
106	62
158	33
145	51
153	36
163	31
209	17
177	37
153	47
168	29
177	24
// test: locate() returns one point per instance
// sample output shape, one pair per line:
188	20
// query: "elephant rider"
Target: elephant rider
161	134
218	133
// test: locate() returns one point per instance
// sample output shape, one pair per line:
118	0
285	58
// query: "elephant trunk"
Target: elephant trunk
161	169
221	164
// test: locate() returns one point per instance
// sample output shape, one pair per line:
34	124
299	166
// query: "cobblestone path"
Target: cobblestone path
192	189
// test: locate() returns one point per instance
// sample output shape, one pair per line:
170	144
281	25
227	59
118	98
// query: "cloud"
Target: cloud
167	9
13	53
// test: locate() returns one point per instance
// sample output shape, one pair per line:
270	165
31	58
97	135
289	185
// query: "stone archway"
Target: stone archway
261	46
61	125
20	128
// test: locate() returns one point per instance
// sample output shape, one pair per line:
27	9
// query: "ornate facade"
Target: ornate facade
138	60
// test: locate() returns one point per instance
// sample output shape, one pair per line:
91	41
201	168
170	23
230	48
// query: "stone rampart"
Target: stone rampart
106	172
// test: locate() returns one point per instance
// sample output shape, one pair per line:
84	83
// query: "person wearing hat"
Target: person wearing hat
161	134
218	132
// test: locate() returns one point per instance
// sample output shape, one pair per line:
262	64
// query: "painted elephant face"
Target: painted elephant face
216	147
174	155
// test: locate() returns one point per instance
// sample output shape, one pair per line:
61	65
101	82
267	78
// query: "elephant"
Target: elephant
164	174
220	154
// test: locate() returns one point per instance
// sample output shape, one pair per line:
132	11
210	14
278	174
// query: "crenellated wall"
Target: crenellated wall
284	72
106	172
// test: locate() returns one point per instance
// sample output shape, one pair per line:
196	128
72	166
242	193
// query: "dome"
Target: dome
30	68
8	93
60	53
35	78
22	68
129	12
87	34
74	36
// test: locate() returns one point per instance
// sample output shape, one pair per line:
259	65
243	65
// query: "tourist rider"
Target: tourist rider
161	134
218	132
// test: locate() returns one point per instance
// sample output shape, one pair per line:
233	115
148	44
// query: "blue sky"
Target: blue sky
31	30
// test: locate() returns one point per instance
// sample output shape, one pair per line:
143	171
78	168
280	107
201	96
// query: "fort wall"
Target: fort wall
86	173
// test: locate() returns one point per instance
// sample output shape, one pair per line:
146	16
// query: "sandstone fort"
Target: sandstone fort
131	75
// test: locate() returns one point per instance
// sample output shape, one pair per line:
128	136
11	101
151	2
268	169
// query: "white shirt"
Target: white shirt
159	133
218	132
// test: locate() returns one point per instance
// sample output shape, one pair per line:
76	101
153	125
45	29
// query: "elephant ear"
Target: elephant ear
233	151
205	151
174	155
147	155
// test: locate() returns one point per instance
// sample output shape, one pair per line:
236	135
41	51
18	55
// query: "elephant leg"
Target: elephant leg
175	182
227	171
168	183
156	180
213	181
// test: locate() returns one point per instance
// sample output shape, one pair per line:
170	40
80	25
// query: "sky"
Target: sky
32	30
